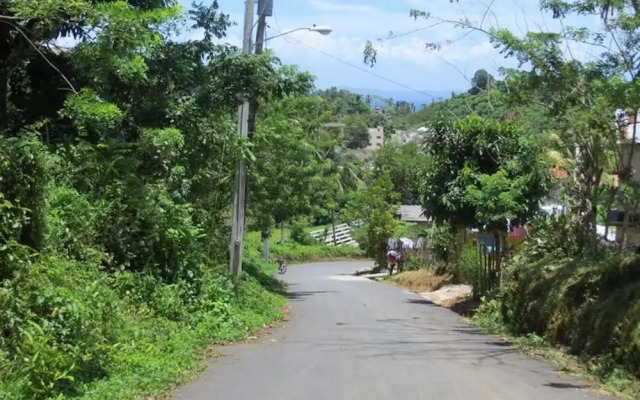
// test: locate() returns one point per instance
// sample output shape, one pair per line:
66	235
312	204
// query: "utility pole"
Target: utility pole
264	9
240	173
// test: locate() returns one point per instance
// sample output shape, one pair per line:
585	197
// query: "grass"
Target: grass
294	252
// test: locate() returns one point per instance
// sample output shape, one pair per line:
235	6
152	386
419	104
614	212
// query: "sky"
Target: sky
404	63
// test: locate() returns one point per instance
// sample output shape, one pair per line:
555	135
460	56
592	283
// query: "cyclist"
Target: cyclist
282	267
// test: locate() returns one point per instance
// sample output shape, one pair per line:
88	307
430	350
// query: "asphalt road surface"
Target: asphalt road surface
351	338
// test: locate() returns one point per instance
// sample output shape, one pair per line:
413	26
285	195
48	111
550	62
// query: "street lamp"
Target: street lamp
323	30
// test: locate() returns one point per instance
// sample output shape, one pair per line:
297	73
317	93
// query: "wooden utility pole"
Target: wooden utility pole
240	173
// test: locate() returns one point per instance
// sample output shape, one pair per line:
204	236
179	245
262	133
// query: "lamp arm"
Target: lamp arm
286	33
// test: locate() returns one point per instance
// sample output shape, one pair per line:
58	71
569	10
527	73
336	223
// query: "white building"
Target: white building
629	145
376	138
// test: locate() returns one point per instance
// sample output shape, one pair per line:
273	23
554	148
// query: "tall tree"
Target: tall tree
341	174
483	173
481	81
356	132
284	169
404	165
374	208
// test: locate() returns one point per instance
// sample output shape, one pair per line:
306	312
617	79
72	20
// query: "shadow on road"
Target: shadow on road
411	339
420	301
302	295
563	385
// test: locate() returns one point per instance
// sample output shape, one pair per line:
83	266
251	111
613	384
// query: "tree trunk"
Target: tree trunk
282	232
4	111
460	239
333	228
265	245
610	200
625	225
497	264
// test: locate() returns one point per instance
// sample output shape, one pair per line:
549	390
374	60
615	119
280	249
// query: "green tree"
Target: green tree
27	29
481	81
404	164
483	173
344	103
283	171
582	96
341	174
374	209
356	132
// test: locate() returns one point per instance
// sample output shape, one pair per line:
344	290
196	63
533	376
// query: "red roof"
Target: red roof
559	173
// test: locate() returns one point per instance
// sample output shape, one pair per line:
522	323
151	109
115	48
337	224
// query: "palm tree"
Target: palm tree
341	164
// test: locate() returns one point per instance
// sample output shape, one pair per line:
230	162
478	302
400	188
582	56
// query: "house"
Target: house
629	146
376	138
413	214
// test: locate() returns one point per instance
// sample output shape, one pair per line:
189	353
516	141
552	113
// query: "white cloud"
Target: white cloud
322	5
404	59
483	49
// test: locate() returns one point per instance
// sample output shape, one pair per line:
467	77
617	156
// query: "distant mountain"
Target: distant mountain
418	99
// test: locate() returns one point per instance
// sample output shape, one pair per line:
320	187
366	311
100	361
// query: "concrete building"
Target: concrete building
376	138
629	146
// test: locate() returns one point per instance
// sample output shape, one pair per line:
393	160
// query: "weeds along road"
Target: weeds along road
351	338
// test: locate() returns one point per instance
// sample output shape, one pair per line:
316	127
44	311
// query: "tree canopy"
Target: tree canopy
482	172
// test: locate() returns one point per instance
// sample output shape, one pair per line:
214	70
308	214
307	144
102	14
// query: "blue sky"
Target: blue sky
336	60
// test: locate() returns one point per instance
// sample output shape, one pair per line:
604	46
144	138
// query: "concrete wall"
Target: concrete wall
625	149
633	236
376	138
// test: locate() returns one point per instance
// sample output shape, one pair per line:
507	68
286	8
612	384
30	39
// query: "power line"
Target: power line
389	80
366	71
408	33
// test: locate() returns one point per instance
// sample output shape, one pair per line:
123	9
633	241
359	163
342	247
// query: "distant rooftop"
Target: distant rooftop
411	213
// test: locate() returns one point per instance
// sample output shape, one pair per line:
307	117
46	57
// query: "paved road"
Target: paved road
350	338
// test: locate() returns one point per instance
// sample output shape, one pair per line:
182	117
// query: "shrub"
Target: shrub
145	230
441	239
59	322
70	223
470	267
294	252
413	262
299	232
489	315
14	256
69	330
22	182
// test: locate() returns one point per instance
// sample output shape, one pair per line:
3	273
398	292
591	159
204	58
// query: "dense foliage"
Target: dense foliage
483	173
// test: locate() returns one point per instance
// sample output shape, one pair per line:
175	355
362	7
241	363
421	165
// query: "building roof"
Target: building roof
411	213
559	173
